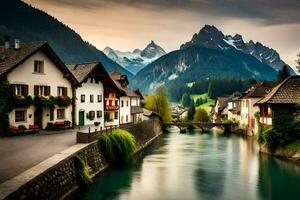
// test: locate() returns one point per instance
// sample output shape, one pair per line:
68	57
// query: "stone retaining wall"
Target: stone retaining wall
55	177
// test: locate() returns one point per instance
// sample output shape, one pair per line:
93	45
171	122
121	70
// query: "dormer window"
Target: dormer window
39	66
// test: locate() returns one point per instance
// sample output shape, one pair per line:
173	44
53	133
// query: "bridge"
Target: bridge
202	125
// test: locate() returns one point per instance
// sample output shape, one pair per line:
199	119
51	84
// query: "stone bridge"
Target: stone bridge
205	126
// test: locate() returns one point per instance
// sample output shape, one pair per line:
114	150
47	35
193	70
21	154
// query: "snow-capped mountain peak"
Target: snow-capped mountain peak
211	37
137	59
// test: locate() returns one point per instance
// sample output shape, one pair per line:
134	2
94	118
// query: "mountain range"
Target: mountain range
137	59
18	19
210	54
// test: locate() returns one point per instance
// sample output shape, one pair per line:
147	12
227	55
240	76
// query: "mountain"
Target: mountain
211	37
20	19
209	55
137	59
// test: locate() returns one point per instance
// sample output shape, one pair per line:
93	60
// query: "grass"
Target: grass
118	147
206	106
82	173
293	147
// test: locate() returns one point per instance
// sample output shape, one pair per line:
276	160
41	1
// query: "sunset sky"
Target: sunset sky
129	24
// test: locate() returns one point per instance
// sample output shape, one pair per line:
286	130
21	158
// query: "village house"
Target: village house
248	107
234	106
41	85
89	105
220	109
281	100
130	110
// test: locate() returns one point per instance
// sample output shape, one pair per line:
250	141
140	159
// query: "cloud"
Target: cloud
269	11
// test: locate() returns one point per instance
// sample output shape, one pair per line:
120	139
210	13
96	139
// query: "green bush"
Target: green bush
81	172
260	129
118	147
270	138
201	115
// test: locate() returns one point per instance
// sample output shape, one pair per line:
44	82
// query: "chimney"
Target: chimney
17	43
6	42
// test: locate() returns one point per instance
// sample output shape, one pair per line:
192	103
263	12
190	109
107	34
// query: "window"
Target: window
116	102
60	113
122	103
20	115
99	98
127	103
126	118
99	113
41	90
82	98
20	89
110	103
92	98
91	115
39	66
51	114
116	115
62	91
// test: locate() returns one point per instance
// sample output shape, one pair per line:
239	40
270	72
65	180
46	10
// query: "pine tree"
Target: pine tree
186	100
209	90
283	74
191	111
298	62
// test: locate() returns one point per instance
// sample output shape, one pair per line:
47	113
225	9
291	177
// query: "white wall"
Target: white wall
87	89
52	76
247	115
125	110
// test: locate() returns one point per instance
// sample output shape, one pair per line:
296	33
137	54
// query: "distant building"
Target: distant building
34	71
234	106
282	99
248	108
220	109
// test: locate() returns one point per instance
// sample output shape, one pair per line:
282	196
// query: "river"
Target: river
200	166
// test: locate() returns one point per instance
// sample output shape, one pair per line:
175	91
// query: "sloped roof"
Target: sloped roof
260	89
129	92
11	58
136	109
287	92
82	70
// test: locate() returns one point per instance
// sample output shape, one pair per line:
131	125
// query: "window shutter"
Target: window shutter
13	89
47	90
65	91
116	115
36	90
25	90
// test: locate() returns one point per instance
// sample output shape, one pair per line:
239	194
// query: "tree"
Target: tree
298	62
5	106
201	115
283	74
198	101
209	90
191	111
186	100
158	102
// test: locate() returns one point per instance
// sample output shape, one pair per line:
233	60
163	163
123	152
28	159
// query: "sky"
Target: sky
129	24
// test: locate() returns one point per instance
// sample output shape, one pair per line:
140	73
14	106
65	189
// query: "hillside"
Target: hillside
30	24
197	63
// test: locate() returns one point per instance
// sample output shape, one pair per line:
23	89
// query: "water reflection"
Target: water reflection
200	166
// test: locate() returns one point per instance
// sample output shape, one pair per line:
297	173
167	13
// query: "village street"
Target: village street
17	154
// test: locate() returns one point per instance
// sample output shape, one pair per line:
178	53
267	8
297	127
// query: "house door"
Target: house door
38	117
81	118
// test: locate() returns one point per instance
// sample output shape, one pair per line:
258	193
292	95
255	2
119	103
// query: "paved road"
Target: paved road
17	154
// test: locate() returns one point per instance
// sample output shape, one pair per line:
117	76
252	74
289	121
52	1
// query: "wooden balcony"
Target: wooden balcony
111	108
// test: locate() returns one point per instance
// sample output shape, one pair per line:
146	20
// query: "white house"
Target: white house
234	106
130	110
248	105
40	82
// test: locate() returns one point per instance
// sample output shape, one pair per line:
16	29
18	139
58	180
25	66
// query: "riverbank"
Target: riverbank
55	177
290	151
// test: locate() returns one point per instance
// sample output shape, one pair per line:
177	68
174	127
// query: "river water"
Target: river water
200	166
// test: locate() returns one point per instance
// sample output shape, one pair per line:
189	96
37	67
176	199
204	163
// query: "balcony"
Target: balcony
111	108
